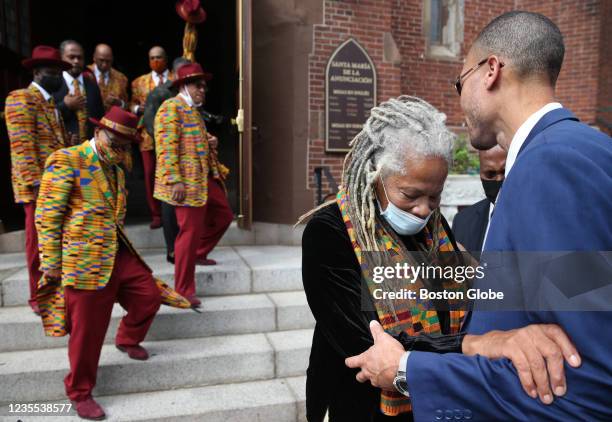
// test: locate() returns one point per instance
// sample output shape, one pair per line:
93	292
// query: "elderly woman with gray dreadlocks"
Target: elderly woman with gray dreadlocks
388	205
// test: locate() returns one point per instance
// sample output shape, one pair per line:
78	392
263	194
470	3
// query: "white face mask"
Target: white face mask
187	96
401	221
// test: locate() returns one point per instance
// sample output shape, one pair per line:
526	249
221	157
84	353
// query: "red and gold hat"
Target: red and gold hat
122	123
190	11
190	72
44	55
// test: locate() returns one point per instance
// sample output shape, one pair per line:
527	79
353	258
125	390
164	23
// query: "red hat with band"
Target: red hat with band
44	55
120	122
190	72
190	11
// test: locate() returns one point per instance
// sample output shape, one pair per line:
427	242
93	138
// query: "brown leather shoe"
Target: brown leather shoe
89	409
134	352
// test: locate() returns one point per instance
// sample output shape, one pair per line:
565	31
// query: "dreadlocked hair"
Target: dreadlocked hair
398	129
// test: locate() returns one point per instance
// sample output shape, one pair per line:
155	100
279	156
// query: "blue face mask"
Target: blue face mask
401	221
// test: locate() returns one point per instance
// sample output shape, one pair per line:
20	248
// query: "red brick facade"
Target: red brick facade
584	83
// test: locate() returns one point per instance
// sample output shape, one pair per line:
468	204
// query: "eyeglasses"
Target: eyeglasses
458	83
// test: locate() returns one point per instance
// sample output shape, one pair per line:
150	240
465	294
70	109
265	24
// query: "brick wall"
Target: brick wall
579	22
583	86
604	101
367	22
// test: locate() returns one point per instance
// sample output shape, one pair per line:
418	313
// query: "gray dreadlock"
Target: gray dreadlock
396	130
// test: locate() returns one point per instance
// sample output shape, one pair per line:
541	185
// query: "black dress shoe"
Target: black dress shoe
170	258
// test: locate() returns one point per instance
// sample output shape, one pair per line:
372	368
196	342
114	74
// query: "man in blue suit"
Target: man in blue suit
557	196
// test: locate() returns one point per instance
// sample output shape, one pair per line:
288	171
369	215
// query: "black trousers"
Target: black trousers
170	227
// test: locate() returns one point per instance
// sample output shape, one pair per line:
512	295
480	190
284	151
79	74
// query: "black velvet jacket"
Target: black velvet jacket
332	281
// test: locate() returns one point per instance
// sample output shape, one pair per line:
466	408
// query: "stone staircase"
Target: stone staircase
242	359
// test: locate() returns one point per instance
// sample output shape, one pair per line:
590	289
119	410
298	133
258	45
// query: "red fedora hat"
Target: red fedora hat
190	72
122	123
190	11
45	55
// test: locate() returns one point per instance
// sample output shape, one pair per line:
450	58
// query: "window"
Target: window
443	27
15	25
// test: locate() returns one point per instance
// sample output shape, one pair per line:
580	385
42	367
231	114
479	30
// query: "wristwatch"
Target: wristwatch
399	382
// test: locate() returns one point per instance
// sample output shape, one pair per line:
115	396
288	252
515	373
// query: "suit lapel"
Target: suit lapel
53	119
121	195
95	169
546	121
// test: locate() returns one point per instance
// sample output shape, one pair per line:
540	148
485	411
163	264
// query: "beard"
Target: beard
482	136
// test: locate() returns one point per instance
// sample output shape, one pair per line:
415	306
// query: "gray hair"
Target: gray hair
397	130
531	42
66	43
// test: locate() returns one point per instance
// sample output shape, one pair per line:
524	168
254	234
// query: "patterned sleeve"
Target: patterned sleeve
167	136
51	205
123	85
20	112
136	93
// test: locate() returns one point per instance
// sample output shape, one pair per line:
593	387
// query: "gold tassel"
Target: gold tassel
190	42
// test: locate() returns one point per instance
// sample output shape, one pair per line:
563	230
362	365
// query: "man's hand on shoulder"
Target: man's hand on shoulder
537	352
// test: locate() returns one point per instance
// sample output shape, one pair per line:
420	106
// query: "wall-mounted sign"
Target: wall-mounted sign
350	93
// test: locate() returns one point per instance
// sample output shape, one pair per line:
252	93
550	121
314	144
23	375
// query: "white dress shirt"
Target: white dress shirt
491	208
523	132
97	72
68	78
155	76
92	142
517	142
47	97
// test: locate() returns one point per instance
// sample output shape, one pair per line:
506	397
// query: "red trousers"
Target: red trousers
31	250
148	164
89	313
200	229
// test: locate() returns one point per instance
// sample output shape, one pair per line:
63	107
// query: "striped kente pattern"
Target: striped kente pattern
410	316
78	218
34	132
141	87
183	154
117	86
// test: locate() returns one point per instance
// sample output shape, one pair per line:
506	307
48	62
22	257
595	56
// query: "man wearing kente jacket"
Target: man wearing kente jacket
141	88
35	129
85	254
190	177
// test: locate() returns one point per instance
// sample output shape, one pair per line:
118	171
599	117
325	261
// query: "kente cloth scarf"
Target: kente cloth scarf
407	315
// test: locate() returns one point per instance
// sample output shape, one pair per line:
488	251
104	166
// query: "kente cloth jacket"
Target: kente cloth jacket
183	154
79	217
116	85
35	131
141	88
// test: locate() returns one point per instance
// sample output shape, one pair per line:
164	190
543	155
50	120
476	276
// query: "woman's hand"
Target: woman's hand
536	351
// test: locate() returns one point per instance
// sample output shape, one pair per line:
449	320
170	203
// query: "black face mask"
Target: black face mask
50	83
491	188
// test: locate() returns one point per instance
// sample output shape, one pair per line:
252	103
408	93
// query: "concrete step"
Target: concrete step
278	400
144	238
292	310
37	375
240	270
20	329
